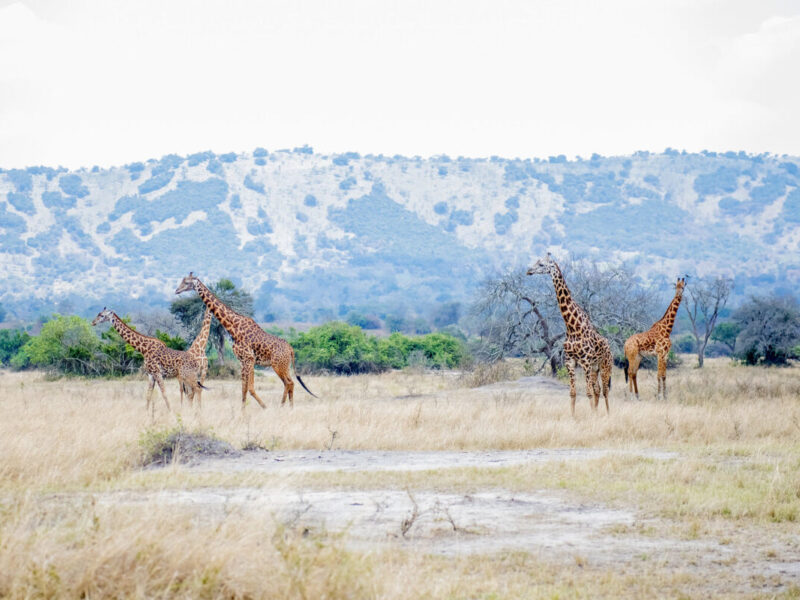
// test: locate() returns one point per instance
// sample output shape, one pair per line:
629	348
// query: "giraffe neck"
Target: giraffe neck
134	338
227	317
198	346
668	320
565	302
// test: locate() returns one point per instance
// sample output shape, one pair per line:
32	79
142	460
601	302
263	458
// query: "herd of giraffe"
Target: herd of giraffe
583	347
251	345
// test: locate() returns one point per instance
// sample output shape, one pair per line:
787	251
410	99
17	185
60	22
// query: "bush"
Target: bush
11	340
769	329
174	342
346	349
66	344
339	348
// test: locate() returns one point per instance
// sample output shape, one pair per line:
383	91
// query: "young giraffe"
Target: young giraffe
251	344
583	346
159	361
198	351
653	341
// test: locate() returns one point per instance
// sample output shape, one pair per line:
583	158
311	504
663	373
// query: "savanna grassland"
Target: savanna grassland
697	496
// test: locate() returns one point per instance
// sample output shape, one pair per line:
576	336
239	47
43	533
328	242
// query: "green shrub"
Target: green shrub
338	347
66	344
174	342
346	349
11	340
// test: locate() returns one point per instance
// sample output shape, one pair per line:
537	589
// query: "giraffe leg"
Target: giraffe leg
662	376
252	387
281	369
160	383
201	378
248	383
570	364
596	386
248	360
633	369
151	384
246	368
189	393
592	389
605	379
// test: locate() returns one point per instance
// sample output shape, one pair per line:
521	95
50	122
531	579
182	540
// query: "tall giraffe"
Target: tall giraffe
198	350
159	361
654	341
251	344
583	345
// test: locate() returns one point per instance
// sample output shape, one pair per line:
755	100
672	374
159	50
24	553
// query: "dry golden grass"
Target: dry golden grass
78	432
737	431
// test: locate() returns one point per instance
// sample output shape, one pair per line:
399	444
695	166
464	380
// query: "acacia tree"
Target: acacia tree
726	333
707	297
190	310
519	315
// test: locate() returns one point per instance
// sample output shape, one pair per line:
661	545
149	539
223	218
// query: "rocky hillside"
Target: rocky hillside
313	235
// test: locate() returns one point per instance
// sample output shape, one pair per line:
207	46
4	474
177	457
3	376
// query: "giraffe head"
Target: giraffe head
679	286
103	315
187	284
544	266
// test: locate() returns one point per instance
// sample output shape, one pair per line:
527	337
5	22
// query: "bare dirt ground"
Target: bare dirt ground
306	461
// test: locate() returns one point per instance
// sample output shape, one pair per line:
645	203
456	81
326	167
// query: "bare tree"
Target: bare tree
159	319
707	297
616	300
519	315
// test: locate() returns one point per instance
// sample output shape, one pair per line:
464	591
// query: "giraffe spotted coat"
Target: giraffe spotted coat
251	344
654	341
583	345
159	361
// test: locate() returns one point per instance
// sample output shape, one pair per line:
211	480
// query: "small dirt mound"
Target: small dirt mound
186	447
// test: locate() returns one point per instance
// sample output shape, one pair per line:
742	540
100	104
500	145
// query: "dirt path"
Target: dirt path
304	461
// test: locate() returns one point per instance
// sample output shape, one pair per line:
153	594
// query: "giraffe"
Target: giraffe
159	361
198	351
251	344
583	345
654	341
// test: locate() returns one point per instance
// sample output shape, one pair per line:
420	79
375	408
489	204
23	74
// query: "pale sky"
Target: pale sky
109	82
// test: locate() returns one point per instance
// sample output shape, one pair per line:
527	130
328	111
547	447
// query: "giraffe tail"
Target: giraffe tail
625	364
294	367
